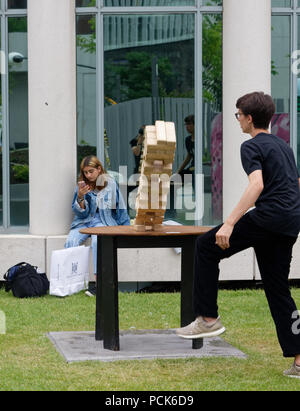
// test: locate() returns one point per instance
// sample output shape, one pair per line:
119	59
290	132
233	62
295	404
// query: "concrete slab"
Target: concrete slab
138	345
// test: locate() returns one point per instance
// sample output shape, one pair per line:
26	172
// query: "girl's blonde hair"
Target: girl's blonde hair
94	162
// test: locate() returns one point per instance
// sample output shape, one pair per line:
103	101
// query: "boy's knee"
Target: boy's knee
202	241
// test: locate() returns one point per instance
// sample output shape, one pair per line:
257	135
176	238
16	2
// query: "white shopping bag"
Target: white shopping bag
69	272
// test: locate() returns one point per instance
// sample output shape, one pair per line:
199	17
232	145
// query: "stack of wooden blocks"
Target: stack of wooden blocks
154	183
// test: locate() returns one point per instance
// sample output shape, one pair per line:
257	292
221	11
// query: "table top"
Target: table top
166	230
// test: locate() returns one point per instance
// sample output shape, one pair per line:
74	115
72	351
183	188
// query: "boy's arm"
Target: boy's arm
185	163
253	191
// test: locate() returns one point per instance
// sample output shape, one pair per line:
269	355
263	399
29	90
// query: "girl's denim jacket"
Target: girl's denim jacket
109	204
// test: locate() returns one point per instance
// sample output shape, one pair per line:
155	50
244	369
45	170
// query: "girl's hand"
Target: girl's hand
83	189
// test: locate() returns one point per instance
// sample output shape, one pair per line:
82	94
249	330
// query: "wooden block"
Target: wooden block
161	156
156	213
150	204
140	228
148	169
150	131
161	132
171	134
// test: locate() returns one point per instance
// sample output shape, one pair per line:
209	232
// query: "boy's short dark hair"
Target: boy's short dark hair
260	106
190	119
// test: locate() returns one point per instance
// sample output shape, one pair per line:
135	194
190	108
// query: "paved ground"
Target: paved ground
138	345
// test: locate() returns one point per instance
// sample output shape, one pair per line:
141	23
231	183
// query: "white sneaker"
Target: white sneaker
201	329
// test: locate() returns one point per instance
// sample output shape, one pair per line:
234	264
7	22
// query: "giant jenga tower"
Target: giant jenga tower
154	183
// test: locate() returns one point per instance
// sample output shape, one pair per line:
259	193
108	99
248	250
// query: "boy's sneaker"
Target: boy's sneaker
293	372
91	292
201	329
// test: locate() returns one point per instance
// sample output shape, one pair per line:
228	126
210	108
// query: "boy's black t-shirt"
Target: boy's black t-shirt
190	148
278	207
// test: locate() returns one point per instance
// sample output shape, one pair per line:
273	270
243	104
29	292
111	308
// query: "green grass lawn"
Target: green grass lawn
29	361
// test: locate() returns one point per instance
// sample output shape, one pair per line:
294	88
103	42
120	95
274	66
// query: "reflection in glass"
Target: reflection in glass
281	76
149	76
298	101
149	3
18	123
85	3
17	4
1	139
281	3
212	2
86	87
212	119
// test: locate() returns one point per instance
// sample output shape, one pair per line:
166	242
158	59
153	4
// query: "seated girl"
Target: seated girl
97	202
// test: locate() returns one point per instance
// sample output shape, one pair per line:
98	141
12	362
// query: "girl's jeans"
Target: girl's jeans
75	238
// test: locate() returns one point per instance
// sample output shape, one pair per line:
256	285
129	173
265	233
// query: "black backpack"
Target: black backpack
24	281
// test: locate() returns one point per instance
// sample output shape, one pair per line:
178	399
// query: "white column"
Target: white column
52	114
246	68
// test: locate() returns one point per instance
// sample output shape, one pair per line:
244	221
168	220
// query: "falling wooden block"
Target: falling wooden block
156	169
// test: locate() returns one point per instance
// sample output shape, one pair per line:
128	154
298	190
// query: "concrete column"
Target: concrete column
246	68
52	114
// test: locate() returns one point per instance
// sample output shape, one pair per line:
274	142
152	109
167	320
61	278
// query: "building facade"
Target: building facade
82	77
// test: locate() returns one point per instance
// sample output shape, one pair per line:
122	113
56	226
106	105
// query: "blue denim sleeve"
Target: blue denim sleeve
121	211
77	210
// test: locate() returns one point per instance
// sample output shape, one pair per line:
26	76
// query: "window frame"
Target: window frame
5	14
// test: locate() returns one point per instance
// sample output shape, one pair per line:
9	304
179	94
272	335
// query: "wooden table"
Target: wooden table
112	238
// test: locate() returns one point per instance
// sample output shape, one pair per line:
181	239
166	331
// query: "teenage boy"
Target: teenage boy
271	228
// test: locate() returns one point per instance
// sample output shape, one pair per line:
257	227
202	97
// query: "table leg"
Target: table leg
99	299
187	279
110	303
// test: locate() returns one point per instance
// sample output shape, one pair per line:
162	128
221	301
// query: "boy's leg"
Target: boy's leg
207	258
274	258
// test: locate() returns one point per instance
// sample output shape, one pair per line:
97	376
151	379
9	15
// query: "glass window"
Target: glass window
149	3
18	121
17	4
281	3
1	139
86	87
148	76
212	119
212	2
281	29
85	3
297	61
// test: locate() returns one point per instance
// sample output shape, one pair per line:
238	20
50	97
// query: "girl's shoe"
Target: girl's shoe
91	292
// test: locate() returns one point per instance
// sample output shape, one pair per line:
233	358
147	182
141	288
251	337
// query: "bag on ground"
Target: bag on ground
25	281
69	271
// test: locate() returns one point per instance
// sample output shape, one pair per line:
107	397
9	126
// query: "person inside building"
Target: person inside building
137	148
271	228
97	202
188	165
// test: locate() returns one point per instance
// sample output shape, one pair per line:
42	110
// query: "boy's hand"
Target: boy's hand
223	236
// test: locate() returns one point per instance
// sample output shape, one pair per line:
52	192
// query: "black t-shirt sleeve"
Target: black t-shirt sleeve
251	158
133	142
